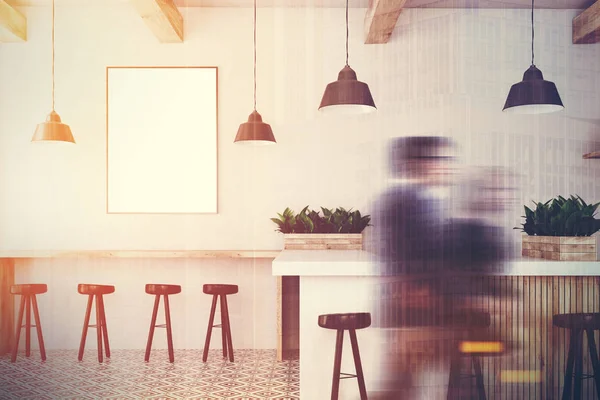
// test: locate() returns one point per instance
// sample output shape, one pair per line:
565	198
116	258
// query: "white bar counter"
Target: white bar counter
341	281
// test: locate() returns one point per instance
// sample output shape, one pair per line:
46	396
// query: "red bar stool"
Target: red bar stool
161	290
28	298
96	291
220	291
346	322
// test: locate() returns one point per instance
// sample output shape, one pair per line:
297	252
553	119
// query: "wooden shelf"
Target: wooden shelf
139	253
594	154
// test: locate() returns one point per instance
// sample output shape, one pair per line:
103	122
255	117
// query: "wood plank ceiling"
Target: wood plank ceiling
166	23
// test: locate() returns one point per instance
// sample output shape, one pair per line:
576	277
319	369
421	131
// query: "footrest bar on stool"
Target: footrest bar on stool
217	326
347	375
160	326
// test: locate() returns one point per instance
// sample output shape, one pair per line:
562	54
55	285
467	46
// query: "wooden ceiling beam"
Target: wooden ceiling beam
586	26
163	18
13	24
381	19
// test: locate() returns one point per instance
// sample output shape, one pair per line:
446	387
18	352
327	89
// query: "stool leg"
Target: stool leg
152	326
566	395
38	325
227	327
99	327
478	377
86	322
223	325
454	379
594	358
578	366
209	331
18	330
337	364
357	364
28	326
104	327
169	333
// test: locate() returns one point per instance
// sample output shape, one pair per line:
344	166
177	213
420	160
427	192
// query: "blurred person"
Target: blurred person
421	246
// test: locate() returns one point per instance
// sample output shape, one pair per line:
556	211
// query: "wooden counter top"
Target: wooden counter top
139	253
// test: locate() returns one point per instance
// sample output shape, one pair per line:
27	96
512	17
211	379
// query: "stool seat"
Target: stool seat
93	289
220	289
162	289
29	289
577	321
345	321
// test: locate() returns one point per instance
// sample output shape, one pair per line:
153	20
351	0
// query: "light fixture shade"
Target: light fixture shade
53	130
255	131
533	95
347	95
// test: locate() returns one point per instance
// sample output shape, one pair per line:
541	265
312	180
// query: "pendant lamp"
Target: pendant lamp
255	131
53	130
533	95
347	95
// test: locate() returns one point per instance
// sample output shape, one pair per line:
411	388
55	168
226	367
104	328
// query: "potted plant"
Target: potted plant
338	229
560	229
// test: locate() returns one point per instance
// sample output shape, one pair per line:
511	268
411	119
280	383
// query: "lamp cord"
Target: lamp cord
254	55
52	55
346	33
532	32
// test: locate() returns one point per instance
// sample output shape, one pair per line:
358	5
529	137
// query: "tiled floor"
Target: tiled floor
255	374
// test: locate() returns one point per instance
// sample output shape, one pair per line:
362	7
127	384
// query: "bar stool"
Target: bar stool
219	290
471	321
579	323
342	322
161	290
28	298
96	291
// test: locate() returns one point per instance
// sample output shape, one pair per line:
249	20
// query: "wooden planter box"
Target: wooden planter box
560	248
323	241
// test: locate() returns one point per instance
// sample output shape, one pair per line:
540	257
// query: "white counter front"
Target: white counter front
363	263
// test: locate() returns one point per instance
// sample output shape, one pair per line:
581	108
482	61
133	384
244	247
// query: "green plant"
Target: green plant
561	217
339	220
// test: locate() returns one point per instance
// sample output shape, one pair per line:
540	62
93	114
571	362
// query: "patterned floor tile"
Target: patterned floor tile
255	375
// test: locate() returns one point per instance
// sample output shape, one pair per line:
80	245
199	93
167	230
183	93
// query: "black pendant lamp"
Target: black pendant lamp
533	95
255	131
347	95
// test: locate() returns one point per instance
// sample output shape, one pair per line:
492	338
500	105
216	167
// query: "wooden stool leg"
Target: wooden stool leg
28	326
209	331
169	333
227	327
478	377
86	322
566	395
578	366
223	325
594	358
99	328
104	327
152	326
18	329
357	364
454	379
337	364
38	325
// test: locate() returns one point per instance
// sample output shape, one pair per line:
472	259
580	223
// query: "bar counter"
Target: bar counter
534	290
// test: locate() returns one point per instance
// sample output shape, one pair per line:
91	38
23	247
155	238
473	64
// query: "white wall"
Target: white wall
443	72
252	310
